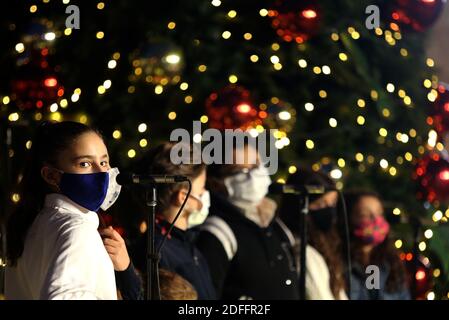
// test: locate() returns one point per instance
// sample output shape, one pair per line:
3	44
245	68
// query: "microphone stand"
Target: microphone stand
302	251
152	288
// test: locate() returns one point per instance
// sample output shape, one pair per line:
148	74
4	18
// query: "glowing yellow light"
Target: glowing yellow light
436	274
143	143
184	86
396	211
432	96
310	144
401	93
142	127
172	115
263	12
116	134
100	5
333	122
33	8
390	87
398	243
107	84
412	133
101	89
131	89
407	100
28	144
197	138
430	62
67	31
361	120
56	116
336	174
188	99
322	94
341	162
158	89
247	36
383	164
437	216
342	56
232	14
392	171
275	46
334	36
351	30
408	156
204	119
378	31
83	119
284	115
38	116
355	35
20	47
54	107
112	64
422	246
131	153
359	157
309	106
13	117
226	35
15	197
254	58
292	169
430	295
385	112
171	25
6	100
383	132
281	180
316	70
428	234
277	66
427	83
100	35
274	59
116	55
233	78
302	63
403	52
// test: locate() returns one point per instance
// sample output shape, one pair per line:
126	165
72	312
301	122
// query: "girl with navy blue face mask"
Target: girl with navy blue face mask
54	249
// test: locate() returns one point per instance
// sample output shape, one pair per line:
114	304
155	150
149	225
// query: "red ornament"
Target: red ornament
432	174
440	110
231	108
36	84
416	15
295	20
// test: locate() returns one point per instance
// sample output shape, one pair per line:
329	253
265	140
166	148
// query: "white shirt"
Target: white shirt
63	258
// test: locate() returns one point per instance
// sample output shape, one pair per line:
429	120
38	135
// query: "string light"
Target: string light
142	127
309	107
131	153
302	63
233	78
116	134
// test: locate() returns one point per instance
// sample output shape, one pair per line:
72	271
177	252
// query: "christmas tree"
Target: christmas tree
360	103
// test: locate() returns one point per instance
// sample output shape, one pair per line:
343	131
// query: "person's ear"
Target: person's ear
51	176
180	197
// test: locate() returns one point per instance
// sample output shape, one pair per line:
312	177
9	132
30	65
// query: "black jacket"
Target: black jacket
247	261
180	255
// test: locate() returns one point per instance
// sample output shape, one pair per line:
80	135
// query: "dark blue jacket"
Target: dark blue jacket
180	255
359	290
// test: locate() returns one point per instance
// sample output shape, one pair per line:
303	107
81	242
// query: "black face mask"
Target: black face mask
324	218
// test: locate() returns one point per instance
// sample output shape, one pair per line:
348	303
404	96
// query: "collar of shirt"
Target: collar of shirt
61	203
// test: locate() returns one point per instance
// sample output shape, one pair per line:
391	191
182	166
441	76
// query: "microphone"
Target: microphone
280	188
148	179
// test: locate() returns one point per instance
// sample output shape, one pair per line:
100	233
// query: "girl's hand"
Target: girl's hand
116	248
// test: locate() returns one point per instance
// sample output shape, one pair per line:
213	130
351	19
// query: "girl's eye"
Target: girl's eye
104	163
84	164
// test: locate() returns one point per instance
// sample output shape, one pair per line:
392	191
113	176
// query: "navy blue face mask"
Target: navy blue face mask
88	190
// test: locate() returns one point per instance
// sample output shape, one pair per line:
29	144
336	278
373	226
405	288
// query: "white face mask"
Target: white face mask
113	189
248	187
197	217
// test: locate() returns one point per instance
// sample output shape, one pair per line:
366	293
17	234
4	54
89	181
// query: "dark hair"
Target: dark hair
50	140
159	162
383	253
175	287
327	243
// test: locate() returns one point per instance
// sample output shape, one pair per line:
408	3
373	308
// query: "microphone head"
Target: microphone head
125	178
